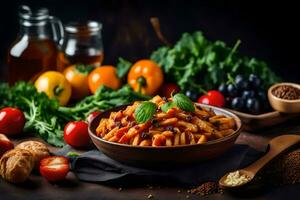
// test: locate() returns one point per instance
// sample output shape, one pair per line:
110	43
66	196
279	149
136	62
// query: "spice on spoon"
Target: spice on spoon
287	92
236	178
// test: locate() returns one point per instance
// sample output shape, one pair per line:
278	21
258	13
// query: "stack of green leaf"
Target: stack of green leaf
199	64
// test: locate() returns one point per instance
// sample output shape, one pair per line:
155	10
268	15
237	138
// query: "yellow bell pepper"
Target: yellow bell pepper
55	85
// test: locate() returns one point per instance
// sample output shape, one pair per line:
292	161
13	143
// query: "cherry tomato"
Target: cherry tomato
54	168
92	116
204	99
12	121
76	134
213	98
169	88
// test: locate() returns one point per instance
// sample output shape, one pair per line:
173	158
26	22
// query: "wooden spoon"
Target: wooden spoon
276	146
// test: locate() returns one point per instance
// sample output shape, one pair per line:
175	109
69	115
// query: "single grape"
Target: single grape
254	81
232	90
241	83
223	89
237	103
248	94
193	95
253	106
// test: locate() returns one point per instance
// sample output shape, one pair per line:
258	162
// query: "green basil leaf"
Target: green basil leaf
183	102
167	106
145	112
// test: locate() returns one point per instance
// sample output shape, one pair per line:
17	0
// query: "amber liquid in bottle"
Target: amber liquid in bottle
29	57
65	60
82	45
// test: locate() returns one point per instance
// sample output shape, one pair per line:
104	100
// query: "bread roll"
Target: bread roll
16	165
38	150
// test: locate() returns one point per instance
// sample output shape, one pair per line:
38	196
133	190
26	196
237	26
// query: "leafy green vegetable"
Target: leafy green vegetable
183	102
144	111
104	99
197	63
167	106
123	66
47	119
40	111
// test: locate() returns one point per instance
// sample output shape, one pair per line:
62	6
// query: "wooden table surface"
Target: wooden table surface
38	188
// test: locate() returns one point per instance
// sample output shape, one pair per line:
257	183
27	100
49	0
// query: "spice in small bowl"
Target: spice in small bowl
285	97
287	92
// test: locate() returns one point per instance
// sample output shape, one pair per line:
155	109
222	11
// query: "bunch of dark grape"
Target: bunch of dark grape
246	94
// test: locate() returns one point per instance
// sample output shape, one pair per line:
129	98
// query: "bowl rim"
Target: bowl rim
270	94
216	141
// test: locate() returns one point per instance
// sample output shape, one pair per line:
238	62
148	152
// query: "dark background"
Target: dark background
268	30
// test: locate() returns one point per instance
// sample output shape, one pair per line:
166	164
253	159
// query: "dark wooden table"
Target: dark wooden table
38	188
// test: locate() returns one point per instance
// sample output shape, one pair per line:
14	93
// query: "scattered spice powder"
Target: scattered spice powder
286	92
206	189
283	171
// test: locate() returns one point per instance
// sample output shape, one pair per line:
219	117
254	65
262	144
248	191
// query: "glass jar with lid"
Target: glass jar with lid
36	48
82	44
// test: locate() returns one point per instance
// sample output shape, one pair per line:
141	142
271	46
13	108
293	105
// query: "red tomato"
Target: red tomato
204	99
92	116
213	98
169	88
76	134
12	121
54	168
5	144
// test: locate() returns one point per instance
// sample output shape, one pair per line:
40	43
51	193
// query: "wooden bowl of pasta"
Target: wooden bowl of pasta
173	137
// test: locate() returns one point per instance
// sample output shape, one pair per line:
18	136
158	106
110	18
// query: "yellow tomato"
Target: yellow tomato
104	75
55	85
77	75
145	76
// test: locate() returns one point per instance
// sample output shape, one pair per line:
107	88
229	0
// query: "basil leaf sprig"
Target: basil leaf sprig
167	106
145	111
181	101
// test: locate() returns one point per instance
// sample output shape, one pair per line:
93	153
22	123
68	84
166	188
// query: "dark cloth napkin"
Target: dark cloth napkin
94	166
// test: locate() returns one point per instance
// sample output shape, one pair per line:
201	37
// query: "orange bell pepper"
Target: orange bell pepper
146	77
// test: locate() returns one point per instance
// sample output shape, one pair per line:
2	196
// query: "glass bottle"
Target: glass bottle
36	47
82	44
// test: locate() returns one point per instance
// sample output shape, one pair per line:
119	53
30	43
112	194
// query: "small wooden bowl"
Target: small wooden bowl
164	156
284	105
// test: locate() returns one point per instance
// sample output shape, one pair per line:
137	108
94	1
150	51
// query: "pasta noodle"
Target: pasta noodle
172	128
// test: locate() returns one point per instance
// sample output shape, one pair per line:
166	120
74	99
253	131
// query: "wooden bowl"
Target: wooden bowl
284	105
158	156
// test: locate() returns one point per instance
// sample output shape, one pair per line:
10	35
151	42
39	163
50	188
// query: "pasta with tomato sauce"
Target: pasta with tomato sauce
172	128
